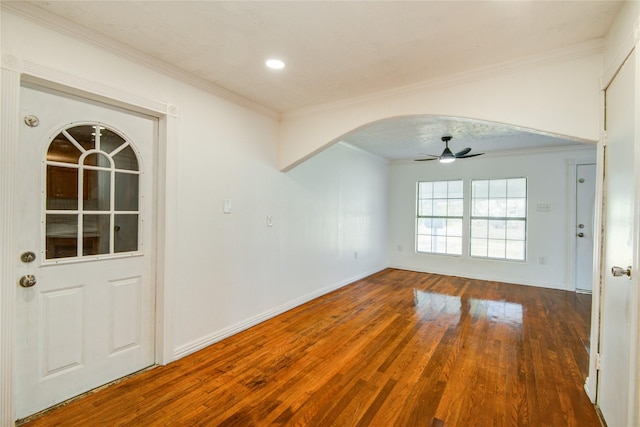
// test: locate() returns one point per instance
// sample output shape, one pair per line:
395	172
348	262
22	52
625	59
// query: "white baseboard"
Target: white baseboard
207	340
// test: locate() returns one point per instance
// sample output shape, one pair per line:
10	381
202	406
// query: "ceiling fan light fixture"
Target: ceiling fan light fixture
447	156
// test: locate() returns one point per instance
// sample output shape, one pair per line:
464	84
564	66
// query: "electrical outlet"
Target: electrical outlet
542	260
543	207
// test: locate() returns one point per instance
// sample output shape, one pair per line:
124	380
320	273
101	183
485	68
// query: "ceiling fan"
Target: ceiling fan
447	156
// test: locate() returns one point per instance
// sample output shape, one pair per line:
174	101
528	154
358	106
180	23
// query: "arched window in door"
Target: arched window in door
92	193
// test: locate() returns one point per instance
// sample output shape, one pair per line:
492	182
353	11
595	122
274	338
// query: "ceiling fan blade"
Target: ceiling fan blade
470	155
424	160
463	152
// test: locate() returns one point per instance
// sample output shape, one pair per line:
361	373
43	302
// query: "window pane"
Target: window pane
479	228
62	236
515	230
97	190
455	189
439	244
498	188
126	192
424	225
440	207
496	248
95	233
97	159
454	227
515	250
62	188
425	207
480	188
440	190
83	135
126	159
110	140
517	187
455	207
126	233
480	207
440	226
478	247
62	150
498	208
497	229
425	190
424	244
454	245
517	208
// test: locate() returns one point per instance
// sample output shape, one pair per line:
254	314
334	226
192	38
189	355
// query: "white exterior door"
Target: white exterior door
85	306
619	306
585	203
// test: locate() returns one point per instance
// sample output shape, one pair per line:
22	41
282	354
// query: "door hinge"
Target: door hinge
598	359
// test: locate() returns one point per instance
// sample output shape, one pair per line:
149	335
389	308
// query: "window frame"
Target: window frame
420	215
506	218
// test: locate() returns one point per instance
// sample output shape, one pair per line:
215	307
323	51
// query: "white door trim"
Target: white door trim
14	71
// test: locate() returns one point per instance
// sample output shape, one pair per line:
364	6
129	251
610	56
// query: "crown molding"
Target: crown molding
581	50
59	24
633	37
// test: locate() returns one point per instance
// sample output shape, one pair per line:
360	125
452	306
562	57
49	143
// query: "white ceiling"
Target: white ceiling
335	50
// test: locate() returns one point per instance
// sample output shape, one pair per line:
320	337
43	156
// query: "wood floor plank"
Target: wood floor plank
397	348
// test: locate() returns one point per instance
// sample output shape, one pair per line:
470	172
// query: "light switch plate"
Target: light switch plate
226	206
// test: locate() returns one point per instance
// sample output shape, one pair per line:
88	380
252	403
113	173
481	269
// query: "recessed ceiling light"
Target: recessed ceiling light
275	64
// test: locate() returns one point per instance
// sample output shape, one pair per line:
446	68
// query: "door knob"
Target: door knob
581	234
619	271
27	281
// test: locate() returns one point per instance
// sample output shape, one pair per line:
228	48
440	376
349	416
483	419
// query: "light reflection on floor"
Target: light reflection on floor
432	303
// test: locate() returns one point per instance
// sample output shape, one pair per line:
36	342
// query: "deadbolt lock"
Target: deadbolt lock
28	257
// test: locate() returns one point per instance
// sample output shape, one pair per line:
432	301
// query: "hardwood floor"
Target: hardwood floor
398	348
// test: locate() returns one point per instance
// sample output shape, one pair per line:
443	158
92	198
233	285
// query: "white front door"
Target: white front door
619	306
85	246
585	203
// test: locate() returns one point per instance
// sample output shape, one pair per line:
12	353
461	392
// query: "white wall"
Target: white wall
231	270
556	93
549	181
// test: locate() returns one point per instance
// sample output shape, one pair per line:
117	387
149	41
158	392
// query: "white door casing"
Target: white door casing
585	209
89	319
616	385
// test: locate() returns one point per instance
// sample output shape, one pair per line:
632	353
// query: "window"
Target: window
499	218
439	217
92	194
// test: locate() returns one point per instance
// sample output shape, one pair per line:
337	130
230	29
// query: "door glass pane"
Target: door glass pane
109	140
97	190
83	136
126	159
126	233
96	159
95	233
62	236
62	188
61	150
126	192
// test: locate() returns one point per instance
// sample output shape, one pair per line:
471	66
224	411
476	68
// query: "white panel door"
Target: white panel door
85	211
585	203
619	303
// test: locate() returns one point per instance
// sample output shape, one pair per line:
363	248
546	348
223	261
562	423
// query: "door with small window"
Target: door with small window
85	247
